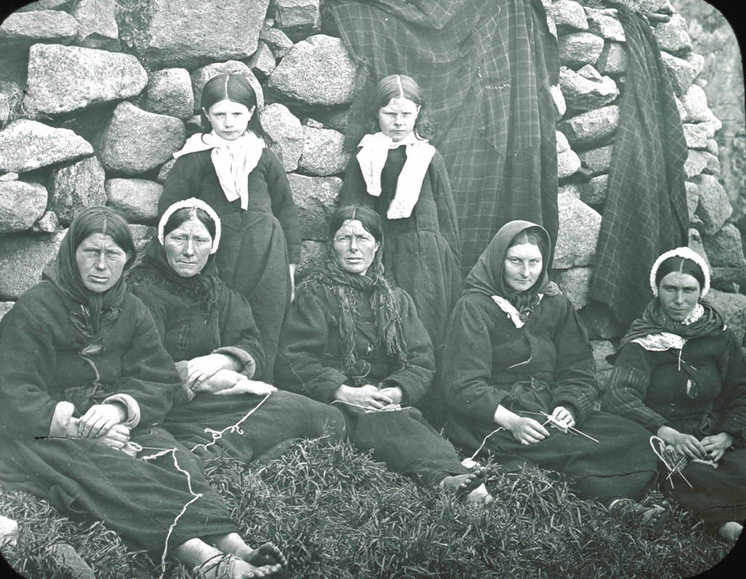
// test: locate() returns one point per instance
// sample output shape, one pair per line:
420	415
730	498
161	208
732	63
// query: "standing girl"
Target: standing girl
397	172
231	169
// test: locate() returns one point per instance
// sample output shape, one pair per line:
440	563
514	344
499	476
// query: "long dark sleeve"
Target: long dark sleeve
354	191
239	335
447	215
180	183
283	205
731	404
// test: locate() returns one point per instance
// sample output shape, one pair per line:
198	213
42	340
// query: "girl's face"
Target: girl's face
396	120
100	262
354	247
678	294
229	119
188	247
523	266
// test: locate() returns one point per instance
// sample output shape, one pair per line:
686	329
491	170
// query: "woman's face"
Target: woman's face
523	266
678	294
188	247
354	247
100	262
229	119
396	120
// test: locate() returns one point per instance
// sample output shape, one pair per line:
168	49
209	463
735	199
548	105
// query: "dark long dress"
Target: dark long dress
650	388
189	328
81	478
257	244
546	363
310	361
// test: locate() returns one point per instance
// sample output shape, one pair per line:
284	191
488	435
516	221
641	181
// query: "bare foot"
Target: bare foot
479	497
227	566
266	554
731	531
469	486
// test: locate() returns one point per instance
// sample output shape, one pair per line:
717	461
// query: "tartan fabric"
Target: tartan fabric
485	67
645	212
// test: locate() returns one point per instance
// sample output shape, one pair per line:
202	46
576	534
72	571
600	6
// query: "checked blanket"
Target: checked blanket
646	211
485	67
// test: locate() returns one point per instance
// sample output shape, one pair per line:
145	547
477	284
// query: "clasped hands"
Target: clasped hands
101	422
216	374
368	396
711	447
528	430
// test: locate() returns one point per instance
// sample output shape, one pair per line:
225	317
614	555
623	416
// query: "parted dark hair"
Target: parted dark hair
106	221
534	236
400	86
682	265
232	87
185	214
369	218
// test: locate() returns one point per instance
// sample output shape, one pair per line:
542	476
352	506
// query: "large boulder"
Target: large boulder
98	23
323	152
285	133
580	48
26	145
586	89
568	163
135	199
672	36
21	204
577	237
27	28
201	75
277	40
297	13
136	141
591	128
568	15
733	308
11	94
695	163
190	33
575	283
315	198
22	259
613	59
725	248
595	190
62	79
263	61
680	71
695	104
318	71
169	92
597	160
605	25
76	186
696	135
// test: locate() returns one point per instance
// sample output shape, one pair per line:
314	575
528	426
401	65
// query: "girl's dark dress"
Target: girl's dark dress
257	244
532	369
199	316
41	365
311	362
649	387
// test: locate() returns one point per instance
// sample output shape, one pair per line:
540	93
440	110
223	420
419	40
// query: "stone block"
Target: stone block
263	61
692	199
47	223
11	96
597	160
562	144
568	164
277	40
680	71
695	103
578	233
680	108
605	24
695	135
713	206
572	189
22	29
672	36
192	33
304	14
575	283
713	147
201	75
586	89
312	254
62	79
136	141
317	71
76	186
725	248
98	23
613	59
559	100
323	152
135	199
169	92
695	163
568	15
285	133
22	259
21	204
594	191
732	307
315	198
591	128
26	145
713	164
580	48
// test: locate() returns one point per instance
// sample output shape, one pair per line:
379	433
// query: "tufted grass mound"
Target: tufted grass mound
337	513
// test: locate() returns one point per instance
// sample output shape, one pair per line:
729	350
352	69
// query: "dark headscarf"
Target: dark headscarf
92	308
488	274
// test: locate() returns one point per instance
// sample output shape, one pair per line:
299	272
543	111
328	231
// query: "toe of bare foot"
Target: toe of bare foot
266	554
731	531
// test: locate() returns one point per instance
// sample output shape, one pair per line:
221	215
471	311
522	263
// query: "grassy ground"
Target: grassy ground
337	513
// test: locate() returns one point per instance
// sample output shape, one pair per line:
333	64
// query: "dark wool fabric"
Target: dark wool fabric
485	68
645	211
651	389
257	244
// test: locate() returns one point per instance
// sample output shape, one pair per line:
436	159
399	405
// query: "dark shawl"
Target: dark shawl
485	67
646	211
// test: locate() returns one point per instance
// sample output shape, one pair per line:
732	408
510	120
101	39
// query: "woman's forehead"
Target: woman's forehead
353	226
98	239
192	225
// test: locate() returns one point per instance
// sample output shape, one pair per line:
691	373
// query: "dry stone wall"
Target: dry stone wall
95	96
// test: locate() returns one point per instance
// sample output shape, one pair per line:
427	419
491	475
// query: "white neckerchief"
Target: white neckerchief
372	157
666	340
513	314
233	160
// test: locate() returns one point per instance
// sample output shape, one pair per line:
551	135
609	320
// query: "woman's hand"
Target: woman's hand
203	367
684	443
393	392
715	445
246	386
367	396
99	419
563	417
525	430
117	436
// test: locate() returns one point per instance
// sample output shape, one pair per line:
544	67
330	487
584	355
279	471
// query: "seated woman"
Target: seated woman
520	377
353	340
209	330
84	382
681	374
